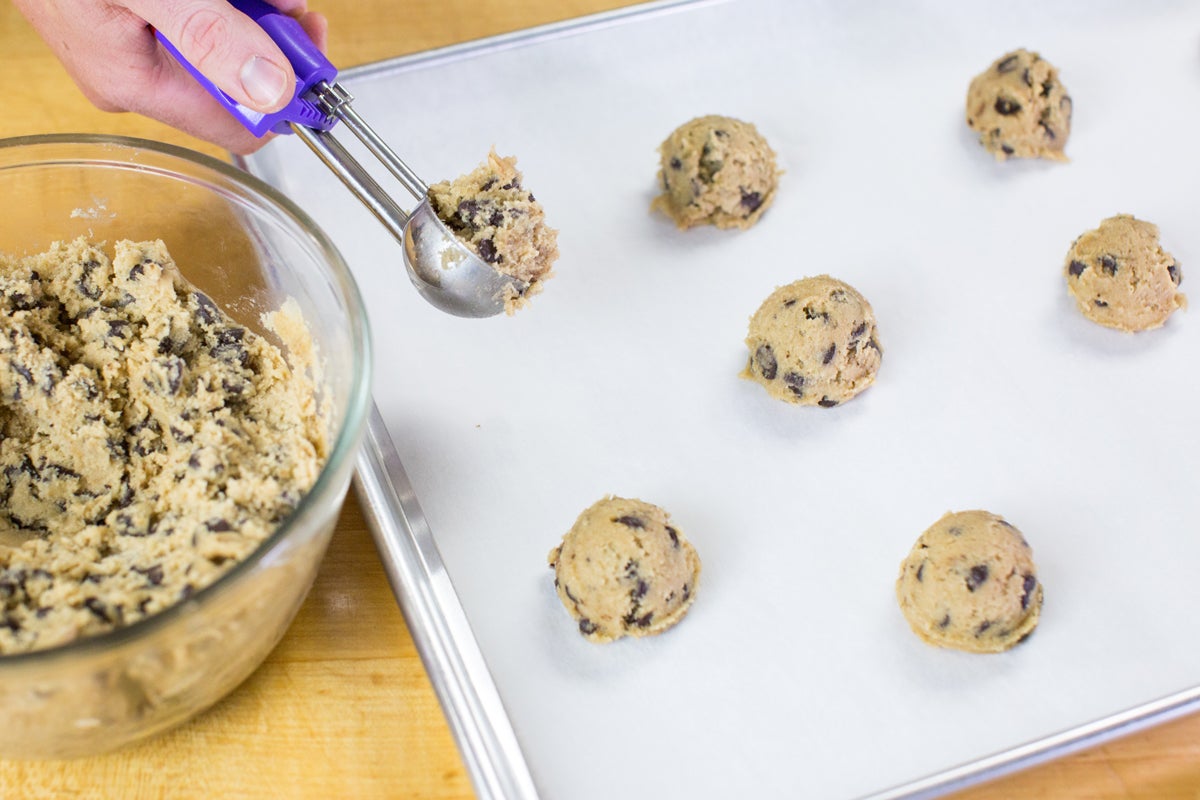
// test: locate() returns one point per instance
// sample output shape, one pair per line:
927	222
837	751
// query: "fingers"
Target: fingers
226	46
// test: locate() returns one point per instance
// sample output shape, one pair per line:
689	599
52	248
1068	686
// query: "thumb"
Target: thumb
226	46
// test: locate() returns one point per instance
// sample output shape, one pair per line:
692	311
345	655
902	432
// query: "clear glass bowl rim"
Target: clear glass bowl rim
345	445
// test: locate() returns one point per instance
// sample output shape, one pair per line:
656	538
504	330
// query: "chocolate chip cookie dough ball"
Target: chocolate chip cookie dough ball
970	584
1121	277
1020	108
624	570
814	342
716	171
500	221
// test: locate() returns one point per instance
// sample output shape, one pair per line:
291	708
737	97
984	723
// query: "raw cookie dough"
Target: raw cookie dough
624	570
716	171
813	342
1020	108
501	222
148	442
1120	276
970	584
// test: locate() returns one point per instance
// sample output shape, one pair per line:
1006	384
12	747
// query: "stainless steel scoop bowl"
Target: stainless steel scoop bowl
444	270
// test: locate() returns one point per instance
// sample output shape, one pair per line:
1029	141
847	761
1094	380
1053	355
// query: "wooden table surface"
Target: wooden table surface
343	708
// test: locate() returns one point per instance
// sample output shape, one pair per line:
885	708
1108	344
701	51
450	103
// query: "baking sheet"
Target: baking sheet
795	674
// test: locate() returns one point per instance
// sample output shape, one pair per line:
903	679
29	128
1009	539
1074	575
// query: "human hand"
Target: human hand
110	51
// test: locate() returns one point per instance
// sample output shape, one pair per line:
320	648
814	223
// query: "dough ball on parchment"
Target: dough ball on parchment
970	584
716	171
1121	277
624	570
813	342
1020	108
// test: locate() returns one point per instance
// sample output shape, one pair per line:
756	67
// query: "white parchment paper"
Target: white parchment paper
795	673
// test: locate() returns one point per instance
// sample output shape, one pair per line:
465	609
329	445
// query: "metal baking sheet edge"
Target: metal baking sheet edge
439	625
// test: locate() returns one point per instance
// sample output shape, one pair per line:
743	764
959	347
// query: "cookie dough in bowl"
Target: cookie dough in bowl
1020	108
149	442
1121	277
162	603
716	171
970	584
501	222
624	570
813	342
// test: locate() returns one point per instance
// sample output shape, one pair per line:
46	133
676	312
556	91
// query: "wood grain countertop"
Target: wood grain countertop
343	708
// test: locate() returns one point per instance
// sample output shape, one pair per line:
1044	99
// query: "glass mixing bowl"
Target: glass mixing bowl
248	248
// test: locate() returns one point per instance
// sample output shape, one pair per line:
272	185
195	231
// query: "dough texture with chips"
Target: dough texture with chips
624	570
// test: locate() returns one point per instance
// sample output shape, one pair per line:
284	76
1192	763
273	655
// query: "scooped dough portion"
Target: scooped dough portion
147	442
500	221
624	570
1020	108
813	342
970	584
1121	277
716	171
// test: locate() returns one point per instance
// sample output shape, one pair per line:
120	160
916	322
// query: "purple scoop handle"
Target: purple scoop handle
308	62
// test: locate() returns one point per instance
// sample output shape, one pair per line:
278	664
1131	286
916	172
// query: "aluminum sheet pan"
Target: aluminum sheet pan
795	674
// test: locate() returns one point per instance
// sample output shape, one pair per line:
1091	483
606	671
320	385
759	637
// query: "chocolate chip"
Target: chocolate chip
1076	268
794	382
979	574
487	251
466	210
206	310
944	622
1006	106
674	534
496	219
1027	590
858	331
98	608
829	354
218	525
1007	64
1100	303
827	402
154	574
587	627
488	184
1007	150
631	521
983	626
1047	86
751	200
639	591
1047	131
1173	271
676	163
1028	81
921	572
631	620
1108	263
764	357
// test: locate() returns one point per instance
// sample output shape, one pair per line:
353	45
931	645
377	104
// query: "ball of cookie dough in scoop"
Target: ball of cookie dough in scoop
624	570
970	584
494	215
813	342
716	171
1020	108
1121	277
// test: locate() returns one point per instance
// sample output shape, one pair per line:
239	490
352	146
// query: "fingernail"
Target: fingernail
263	82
